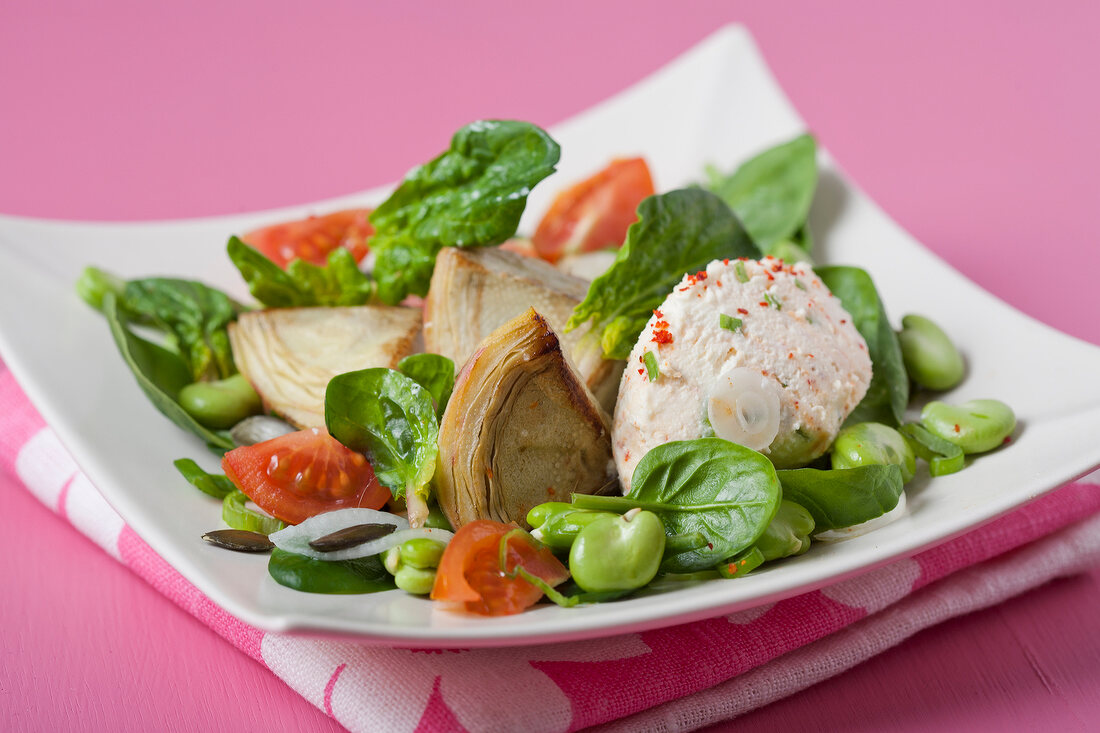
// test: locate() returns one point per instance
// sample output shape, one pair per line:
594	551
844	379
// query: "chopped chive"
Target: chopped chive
772	301
651	368
729	322
739	271
809	320
799	284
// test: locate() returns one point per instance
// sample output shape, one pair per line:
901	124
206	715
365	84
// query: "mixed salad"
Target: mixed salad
653	386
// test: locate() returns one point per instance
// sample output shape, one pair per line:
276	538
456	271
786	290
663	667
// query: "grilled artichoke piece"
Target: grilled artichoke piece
290	354
475	291
521	428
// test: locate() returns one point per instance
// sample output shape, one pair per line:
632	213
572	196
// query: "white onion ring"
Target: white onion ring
296	538
847	533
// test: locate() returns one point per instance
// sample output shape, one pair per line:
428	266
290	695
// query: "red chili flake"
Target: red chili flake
1008	439
660	325
796	404
718	283
790	355
769	257
810	355
686	287
726	261
550	491
641	371
641	359
702	274
658	313
662	337
778	267
742	311
710	545
956	427
843	321
770	276
763	303
764	372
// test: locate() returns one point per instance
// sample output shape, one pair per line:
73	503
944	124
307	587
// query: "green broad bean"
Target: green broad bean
872	443
975	426
930	358
422	552
418	581
541	512
391	559
221	403
788	534
559	531
617	553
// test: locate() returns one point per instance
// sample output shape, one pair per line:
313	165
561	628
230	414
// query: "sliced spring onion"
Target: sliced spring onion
729	322
237	515
651	368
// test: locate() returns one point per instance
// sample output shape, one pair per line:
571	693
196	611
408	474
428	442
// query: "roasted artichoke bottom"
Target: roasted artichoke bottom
521	429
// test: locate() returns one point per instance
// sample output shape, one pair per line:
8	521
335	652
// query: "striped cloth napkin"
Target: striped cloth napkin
677	678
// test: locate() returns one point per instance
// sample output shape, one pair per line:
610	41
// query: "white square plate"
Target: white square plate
717	103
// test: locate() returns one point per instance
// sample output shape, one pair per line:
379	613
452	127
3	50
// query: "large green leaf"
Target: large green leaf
843	497
472	195
676	233
338	283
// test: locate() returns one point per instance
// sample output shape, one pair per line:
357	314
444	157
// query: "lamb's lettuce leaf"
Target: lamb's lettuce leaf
472	195
160	373
337	283
676	233
193	316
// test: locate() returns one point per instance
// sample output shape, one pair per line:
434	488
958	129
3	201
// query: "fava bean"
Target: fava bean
788	534
930	358
975	426
222	403
872	443
417	581
618	553
422	552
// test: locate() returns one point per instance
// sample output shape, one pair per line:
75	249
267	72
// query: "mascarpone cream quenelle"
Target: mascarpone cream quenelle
759	353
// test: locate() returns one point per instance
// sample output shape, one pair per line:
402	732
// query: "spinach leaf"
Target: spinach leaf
213	484
771	193
676	233
724	491
363	575
303	284
160	373
472	195
434	373
888	393
843	497
391	418
193	315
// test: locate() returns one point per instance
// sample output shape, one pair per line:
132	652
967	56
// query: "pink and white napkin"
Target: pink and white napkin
671	679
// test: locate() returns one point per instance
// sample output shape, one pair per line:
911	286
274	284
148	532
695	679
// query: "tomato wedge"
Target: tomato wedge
298	475
469	571
313	238
595	213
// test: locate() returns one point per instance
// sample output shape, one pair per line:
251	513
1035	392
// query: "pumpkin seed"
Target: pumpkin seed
347	537
239	540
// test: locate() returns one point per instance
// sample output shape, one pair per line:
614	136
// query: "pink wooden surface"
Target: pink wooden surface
975	127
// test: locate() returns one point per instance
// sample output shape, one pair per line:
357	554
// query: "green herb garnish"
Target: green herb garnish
729	322
650	361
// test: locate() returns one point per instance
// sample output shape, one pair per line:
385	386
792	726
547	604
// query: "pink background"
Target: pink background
975	127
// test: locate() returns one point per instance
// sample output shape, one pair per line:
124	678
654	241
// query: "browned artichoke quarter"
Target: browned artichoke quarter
290	354
474	291
521	428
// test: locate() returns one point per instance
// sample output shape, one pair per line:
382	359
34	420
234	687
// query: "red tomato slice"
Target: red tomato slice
469	571
298	475
595	213
313	238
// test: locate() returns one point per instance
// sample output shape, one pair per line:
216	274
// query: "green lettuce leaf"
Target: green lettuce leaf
303	284
676	233
472	195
